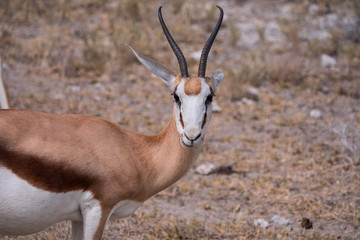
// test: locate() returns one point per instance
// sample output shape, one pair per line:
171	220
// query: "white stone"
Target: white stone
313	9
315	113
249	35
287	12
273	32
328	21
247	101
261	222
280	220
215	106
253	91
205	169
75	88
58	96
196	55
99	86
327	61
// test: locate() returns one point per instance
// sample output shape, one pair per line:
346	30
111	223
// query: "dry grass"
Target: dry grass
72	60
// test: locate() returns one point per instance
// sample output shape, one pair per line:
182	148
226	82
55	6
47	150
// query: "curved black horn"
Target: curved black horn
208	44
179	55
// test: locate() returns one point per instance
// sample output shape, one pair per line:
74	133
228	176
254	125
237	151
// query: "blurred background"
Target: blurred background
288	127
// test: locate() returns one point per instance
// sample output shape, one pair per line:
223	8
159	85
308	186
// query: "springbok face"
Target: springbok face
192	95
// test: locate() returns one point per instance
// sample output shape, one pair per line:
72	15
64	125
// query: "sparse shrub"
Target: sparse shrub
6	38
211	17
235	35
131	9
93	60
291	30
350	137
259	68
135	34
177	5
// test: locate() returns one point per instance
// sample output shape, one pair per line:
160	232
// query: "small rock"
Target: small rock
99	86
261	222
280	220
252	94
327	61
247	101
313	9
327	21
75	88
273	32
249	35
315	113
205	169
196	55
59	96
215	106
287	12
306	223
253	91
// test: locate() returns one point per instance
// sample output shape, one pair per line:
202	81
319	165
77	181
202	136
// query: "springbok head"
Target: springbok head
192	94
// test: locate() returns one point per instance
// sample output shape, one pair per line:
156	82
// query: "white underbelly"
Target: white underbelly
25	209
124	209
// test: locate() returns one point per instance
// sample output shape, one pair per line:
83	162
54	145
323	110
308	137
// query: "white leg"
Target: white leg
77	230
91	214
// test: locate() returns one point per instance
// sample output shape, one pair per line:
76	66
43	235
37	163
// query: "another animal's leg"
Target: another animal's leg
77	230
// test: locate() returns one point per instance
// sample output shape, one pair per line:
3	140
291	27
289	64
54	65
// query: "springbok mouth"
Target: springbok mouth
188	146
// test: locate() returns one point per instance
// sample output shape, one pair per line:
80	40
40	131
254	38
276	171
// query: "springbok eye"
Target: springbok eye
209	99
177	99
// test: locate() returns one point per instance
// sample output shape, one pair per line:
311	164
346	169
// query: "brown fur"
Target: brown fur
192	86
177	80
62	153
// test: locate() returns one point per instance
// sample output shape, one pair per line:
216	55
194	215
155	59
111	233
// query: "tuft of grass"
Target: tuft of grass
260	68
6	38
131	9
177	5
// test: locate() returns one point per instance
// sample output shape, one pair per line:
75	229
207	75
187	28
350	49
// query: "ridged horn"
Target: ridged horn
208	44
179	55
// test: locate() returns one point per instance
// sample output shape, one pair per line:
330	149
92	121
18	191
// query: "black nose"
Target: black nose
192	140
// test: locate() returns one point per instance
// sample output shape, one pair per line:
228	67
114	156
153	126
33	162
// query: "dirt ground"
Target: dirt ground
290	121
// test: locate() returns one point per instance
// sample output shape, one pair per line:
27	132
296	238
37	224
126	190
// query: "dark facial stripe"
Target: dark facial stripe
181	121
204	122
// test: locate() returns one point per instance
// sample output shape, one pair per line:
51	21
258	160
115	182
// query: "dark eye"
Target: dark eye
177	99
209	99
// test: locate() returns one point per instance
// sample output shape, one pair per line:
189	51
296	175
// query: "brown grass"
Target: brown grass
68	57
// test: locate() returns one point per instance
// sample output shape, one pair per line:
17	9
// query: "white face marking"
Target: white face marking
192	110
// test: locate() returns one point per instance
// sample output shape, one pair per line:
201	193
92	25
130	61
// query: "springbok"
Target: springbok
56	167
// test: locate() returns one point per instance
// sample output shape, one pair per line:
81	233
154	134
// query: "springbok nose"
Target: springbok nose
192	134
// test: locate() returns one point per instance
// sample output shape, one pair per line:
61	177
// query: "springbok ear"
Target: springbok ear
167	76
218	76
